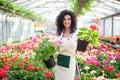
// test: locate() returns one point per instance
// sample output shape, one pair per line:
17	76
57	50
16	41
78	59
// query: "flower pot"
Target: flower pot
82	45
50	62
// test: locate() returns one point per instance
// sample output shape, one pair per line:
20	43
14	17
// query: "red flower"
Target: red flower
108	45
38	68
31	64
110	68
44	69
85	61
7	66
3	72
22	64
14	58
91	62
77	78
49	75
4	78
118	75
5	57
30	68
94	27
97	19
5	60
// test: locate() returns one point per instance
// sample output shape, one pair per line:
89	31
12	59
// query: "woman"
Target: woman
66	31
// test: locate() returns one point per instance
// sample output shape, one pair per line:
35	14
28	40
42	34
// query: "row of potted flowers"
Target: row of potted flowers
20	62
115	39
99	63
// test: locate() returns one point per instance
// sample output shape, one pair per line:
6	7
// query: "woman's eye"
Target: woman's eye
67	19
64	19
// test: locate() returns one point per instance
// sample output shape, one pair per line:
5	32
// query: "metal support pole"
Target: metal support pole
104	27
112	28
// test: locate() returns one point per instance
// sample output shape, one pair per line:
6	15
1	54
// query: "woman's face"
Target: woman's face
67	21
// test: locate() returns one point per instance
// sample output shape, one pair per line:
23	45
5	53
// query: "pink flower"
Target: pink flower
34	38
95	51
97	63
118	57
27	55
60	41
105	61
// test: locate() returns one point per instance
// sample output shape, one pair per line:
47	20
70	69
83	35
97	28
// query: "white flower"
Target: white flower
93	72
113	61
86	67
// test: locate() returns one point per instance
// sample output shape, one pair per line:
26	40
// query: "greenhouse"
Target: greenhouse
59	39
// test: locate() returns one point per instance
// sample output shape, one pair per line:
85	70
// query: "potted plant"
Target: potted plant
87	35
46	51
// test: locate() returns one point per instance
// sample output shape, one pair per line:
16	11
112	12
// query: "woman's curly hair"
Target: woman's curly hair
59	21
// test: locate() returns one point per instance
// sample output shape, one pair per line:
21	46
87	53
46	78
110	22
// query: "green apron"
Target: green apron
63	60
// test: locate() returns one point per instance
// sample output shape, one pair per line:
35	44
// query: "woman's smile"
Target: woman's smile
67	21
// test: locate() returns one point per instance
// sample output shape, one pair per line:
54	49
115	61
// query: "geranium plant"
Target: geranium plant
89	34
45	49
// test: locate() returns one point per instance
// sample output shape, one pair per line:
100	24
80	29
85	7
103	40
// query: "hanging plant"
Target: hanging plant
13	9
76	4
